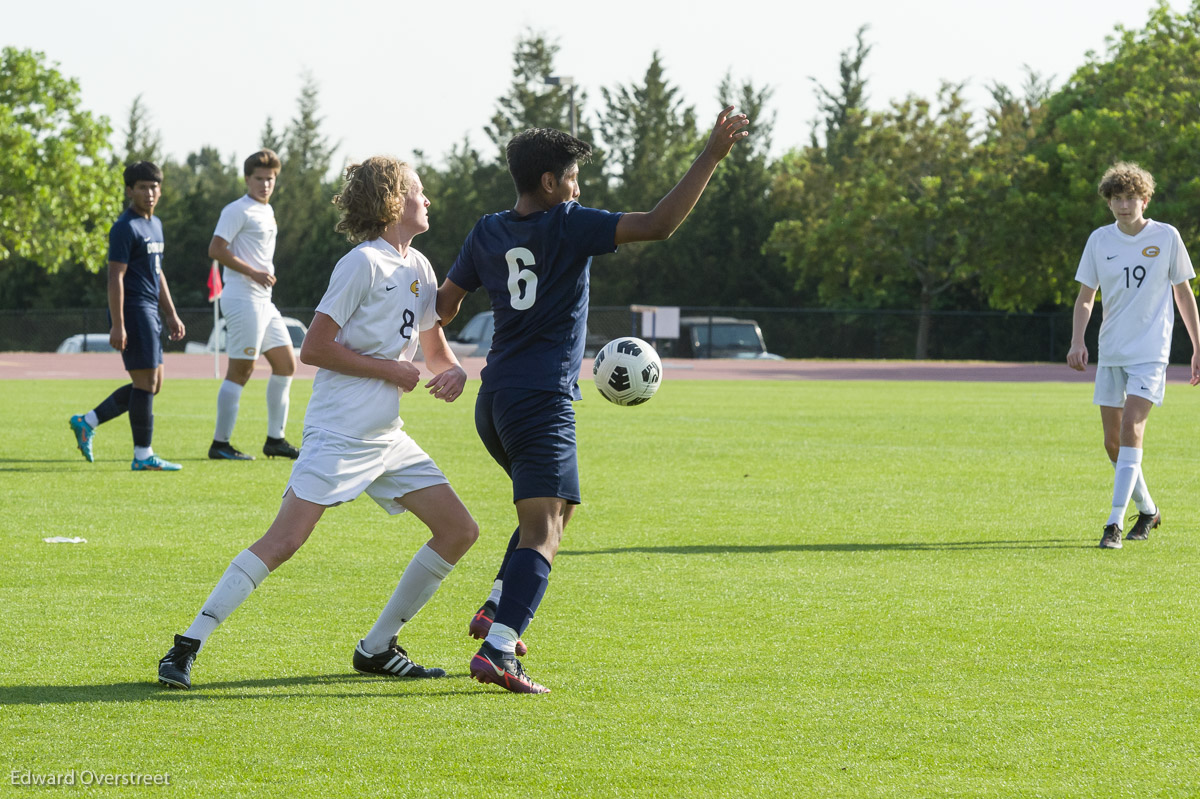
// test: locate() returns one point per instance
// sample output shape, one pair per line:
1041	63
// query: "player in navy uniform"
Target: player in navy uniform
534	263
137	292
1138	265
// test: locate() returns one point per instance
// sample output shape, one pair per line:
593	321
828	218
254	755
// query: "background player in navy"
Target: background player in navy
137	292
534	262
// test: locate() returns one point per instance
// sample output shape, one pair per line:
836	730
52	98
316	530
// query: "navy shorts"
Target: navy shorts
143	337
531	434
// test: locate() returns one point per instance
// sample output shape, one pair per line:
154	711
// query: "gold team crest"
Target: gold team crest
1151	251
415	288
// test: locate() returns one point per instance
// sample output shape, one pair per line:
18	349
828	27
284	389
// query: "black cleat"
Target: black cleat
490	665
1144	524
1112	537
392	662
280	448
175	668
481	624
224	451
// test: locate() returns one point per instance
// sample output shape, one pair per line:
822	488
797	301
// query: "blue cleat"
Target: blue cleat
154	464
83	436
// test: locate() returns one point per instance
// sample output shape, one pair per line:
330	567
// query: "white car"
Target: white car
296	329
475	339
86	342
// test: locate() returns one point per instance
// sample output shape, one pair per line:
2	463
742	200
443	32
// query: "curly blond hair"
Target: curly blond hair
372	196
1127	178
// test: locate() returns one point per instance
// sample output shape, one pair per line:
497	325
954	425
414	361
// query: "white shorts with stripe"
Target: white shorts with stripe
333	469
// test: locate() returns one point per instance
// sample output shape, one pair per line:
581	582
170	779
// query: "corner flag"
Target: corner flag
214	282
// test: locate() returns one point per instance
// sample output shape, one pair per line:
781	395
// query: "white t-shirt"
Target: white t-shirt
381	300
1134	275
249	227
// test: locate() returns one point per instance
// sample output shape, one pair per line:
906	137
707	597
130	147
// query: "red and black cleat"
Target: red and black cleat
490	665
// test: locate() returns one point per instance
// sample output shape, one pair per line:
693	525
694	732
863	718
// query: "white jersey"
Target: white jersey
381	300
249	227
1134	275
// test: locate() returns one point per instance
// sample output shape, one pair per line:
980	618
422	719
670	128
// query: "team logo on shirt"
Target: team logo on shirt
415	288
1151	251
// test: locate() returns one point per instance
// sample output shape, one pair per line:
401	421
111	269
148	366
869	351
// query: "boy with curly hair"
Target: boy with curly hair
1137	265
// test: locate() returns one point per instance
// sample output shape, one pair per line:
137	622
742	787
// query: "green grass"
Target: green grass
774	589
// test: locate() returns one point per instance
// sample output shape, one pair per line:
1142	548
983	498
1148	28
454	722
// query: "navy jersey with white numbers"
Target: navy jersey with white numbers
138	242
535	269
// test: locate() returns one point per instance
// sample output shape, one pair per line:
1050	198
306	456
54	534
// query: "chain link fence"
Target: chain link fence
790	332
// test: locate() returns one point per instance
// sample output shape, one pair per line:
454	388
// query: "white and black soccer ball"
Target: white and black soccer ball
627	371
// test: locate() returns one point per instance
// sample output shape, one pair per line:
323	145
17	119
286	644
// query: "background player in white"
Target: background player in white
244	243
1137	264
381	296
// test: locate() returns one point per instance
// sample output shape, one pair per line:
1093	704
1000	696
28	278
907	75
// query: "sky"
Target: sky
398	77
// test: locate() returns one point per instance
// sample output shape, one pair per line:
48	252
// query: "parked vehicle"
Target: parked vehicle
296	329
475	339
86	342
716	337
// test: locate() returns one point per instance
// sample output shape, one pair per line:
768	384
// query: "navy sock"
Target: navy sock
525	582
141	417
512	545
115	405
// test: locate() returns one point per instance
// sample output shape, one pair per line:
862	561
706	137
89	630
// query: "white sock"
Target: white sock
494	596
503	638
93	421
228	399
420	580
278	394
1129	463
245	573
1141	494
141	453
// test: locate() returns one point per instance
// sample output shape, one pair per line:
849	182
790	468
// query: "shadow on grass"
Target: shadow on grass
255	689
736	549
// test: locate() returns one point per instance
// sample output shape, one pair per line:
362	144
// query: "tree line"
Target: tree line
925	203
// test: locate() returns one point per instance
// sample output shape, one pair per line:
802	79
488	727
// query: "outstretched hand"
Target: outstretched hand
726	133
449	384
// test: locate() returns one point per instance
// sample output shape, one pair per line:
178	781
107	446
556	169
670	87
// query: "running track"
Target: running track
52	366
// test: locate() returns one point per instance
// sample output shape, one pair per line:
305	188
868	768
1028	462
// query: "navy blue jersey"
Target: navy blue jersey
138	242
535	269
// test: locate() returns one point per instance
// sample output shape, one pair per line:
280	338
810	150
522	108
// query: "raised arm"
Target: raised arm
674	207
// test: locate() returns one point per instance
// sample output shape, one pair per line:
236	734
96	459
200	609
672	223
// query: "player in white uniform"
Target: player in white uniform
381	297
1137	265
244	242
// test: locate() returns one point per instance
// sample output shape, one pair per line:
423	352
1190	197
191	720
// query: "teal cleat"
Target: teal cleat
154	464
83	436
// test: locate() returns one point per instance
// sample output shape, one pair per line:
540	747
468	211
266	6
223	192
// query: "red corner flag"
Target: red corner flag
214	282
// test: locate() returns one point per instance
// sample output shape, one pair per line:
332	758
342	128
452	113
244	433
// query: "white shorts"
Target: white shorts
1114	383
252	328
333	469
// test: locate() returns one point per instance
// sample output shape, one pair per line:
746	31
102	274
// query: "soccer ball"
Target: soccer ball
627	371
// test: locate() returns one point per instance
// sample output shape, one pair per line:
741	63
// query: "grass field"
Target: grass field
774	589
